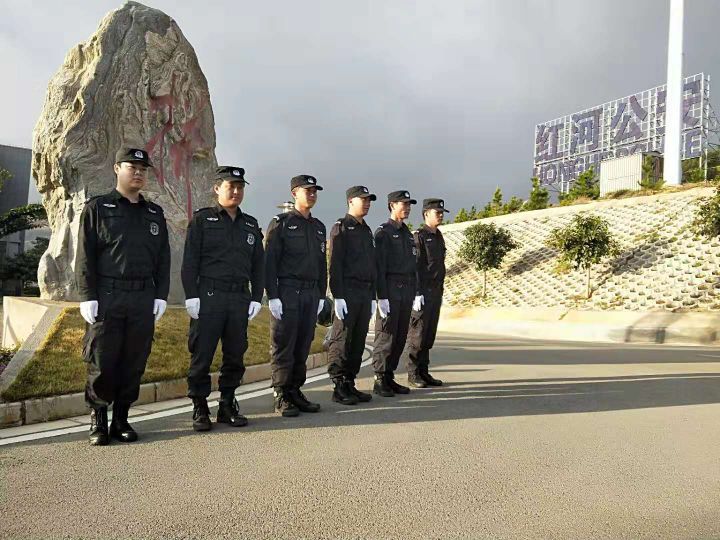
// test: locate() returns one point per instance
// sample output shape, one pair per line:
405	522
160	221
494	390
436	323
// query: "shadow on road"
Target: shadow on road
480	396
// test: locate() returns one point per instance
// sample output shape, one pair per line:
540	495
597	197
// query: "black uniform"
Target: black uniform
353	278
123	262
223	266
431	275
397	282
295	273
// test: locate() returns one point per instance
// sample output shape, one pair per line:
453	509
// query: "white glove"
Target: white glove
340	308
373	307
418	303
275	308
88	310
384	307
159	309
253	310
192	305
320	306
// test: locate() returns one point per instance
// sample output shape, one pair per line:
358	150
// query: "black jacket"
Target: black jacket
122	240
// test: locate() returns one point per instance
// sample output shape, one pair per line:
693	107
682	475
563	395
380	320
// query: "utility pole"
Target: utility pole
674	96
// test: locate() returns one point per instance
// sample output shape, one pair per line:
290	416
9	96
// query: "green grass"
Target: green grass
58	368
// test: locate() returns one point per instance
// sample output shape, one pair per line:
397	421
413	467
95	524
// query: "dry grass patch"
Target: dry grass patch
58	368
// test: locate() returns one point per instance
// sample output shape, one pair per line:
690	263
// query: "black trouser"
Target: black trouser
116	347
293	335
223	316
391	332
347	343
423	328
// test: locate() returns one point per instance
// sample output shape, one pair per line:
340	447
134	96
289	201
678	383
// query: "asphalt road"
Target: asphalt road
526	440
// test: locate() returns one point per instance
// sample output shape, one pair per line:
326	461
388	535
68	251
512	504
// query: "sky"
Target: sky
437	97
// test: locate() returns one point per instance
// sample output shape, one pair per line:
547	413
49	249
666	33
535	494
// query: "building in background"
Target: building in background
20	190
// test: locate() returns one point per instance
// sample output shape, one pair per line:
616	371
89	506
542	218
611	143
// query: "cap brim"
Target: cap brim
319	188
370	196
436	208
147	163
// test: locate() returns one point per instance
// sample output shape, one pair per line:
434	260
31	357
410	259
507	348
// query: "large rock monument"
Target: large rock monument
135	82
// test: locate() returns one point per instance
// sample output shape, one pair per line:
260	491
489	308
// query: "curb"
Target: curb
33	411
561	324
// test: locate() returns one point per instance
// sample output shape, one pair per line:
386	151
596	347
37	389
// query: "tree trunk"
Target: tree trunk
588	283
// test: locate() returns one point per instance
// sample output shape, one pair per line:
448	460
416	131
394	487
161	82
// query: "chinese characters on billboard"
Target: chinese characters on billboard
567	146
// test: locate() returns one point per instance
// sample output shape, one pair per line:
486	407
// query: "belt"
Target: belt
350	282
298	283
126	284
225	286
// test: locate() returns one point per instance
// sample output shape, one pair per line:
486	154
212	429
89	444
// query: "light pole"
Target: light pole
674	94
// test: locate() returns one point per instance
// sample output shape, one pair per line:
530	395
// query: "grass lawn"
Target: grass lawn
58	368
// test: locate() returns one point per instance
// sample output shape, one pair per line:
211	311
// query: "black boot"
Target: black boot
396	387
284	404
363	397
416	381
301	402
201	414
119	427
99	427
381	386
229	412
342	392
429	379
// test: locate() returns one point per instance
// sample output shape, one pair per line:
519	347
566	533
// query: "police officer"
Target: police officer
353	285
123	277
296	282
223	274
396	291
426	308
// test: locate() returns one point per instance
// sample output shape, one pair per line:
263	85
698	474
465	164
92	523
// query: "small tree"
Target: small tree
22	218
539	196
586	185
650	180
5	175
585	241
707	217
485	246
513	205
24	267
461	216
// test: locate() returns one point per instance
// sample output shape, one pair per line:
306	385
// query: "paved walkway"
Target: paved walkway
527	440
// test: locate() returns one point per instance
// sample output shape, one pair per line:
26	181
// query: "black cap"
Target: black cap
304	180
231	174
401	196
359	191
133	155
434	204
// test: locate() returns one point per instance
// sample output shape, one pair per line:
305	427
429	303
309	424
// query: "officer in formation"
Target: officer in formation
396	291
123	278
430	248
296	283
223	274
353	284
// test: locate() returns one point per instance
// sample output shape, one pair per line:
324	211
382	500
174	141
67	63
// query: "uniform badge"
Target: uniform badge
396	236
249	224
109	205
152	211
139	155
212	218
429	240
154	229
414	250
251	239
292	227
351	228
236	172
322	247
